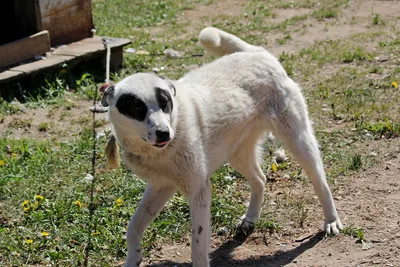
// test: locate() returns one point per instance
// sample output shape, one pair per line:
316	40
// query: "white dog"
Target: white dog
176	134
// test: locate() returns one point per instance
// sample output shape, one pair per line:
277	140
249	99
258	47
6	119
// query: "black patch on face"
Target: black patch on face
108	92
130	105
164	100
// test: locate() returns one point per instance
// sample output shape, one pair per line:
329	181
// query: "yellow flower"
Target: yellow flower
27	209
119	202
2	163
78	204
47	150
39	197
45	234
35	205
395	85
274	167
14	154
93	233
29	241
25	203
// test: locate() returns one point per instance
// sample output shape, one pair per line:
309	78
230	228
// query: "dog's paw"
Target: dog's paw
134	259
333	227
132	263
245	228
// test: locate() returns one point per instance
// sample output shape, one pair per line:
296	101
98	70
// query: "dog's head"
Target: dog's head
143	106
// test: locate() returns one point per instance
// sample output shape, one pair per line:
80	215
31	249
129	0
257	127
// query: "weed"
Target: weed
354	232
385	129
86	86
7	108
17	123
65	114
322	14
393	43
287	62
356	55
355	162
376	70
43	127
377	20
268	226
284	40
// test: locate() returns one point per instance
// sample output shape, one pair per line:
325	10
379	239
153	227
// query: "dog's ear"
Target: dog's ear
170	84
108	92
112	153
172	87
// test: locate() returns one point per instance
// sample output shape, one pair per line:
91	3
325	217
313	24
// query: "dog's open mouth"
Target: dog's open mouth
161	145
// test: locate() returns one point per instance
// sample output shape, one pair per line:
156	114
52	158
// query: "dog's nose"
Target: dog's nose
162	136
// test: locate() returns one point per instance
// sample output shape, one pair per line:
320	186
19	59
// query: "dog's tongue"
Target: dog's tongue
162	143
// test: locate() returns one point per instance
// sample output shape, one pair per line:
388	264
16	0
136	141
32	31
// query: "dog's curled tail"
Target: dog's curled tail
220	43
112	153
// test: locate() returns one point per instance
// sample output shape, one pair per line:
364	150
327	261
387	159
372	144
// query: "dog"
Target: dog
175	134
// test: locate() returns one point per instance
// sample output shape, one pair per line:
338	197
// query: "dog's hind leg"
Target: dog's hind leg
293	127
152	203
246	160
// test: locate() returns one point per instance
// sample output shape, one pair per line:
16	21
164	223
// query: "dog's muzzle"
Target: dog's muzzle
163	138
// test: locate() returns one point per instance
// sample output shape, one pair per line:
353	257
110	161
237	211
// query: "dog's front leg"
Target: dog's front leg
153	201
200	202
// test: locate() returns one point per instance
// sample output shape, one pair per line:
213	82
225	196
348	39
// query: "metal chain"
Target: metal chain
106	42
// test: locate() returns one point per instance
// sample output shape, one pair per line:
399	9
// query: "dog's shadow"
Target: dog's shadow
221	257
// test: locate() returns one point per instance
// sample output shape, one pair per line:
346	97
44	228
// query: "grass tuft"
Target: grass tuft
355	232
356	162
323	14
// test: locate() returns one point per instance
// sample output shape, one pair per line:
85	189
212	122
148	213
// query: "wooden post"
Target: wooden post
24	49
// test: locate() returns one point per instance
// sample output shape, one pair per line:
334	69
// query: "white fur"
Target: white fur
220	114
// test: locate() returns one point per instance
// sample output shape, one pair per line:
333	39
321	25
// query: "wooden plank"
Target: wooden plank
90	46
10	75
51	61
114	42
24	49
71	54
79	49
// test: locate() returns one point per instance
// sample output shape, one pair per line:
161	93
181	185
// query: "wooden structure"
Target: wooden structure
37	25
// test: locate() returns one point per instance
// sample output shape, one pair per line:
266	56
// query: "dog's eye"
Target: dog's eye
137	108
164	100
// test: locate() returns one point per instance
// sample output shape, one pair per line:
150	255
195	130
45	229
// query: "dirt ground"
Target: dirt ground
62	122
369	199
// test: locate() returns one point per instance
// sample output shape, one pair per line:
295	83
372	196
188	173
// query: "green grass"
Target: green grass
34	168
323	14
356	232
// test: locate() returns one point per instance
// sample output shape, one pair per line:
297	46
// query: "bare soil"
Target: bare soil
369	199
57	123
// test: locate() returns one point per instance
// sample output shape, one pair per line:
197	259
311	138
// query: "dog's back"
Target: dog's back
236	95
